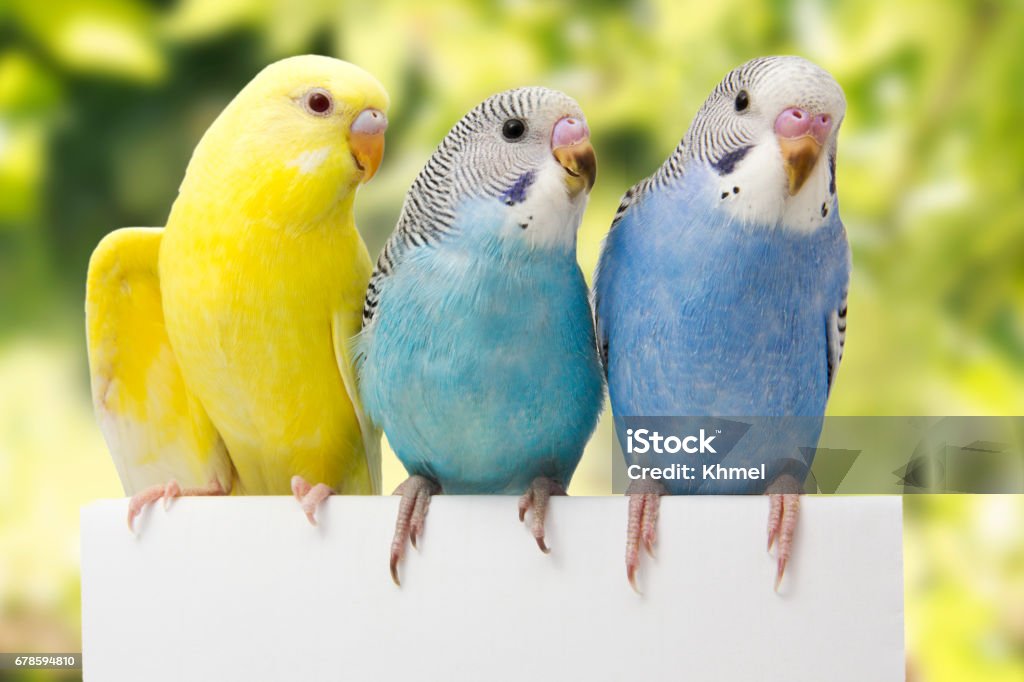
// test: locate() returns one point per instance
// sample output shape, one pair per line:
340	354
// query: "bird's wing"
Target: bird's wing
604	263
836	336
426	217
390	257
368	431
155	428
631	196
601	332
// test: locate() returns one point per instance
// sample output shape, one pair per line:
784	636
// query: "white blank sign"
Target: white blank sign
236	588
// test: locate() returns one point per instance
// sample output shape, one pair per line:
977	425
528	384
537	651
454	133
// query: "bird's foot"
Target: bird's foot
536	498
783	515
167	492
412	514
310	496
641	527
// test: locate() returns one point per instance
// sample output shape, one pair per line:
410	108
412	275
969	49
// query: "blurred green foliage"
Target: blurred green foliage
101	102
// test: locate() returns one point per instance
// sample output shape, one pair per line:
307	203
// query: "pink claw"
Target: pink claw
310	497
782	522
168	492
640	529
774	518
536	498
416	492
171	490
300	487
140	500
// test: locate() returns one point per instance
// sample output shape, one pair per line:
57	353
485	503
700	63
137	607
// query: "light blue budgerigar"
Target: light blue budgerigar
721	287
478	355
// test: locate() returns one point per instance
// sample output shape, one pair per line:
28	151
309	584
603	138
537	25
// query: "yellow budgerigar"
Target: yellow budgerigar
218	344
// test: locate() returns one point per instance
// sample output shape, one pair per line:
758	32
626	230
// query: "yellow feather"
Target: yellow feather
260	267
155	428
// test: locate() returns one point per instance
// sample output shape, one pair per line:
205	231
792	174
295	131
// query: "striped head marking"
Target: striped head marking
768	133
527	149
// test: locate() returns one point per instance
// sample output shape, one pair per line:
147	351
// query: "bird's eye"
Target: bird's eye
318	102
742	100
513	129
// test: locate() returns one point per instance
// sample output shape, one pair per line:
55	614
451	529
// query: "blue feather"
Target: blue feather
703	314
481	365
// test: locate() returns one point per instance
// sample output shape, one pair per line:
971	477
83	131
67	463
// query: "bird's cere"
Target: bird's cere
569	131
370	122
366	138
795	122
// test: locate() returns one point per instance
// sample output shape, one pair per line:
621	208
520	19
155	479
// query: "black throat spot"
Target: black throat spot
832	173
727	164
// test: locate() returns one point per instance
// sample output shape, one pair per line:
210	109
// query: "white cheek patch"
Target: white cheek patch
548	217
756	191
309	161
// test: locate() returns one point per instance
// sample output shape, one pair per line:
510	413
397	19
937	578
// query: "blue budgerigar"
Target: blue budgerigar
721	288
478	354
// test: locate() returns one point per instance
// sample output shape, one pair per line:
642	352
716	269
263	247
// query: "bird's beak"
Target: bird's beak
366	140
798	158
570	144
801	137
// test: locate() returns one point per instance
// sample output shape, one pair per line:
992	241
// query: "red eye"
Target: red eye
319	102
